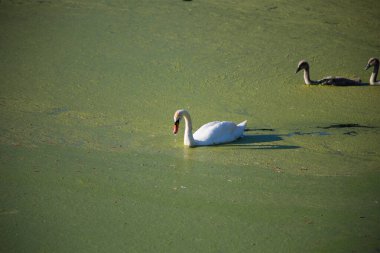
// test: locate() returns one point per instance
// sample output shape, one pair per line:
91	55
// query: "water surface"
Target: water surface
88	161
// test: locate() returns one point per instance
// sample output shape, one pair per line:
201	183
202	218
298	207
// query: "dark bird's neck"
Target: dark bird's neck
373	78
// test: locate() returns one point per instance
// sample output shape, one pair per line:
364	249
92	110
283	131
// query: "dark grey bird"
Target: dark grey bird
330	80
373	62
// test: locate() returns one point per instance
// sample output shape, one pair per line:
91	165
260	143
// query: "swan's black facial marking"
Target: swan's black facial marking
176	126
372	62
302	65
369	64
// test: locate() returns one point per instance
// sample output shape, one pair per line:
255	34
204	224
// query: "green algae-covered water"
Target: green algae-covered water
88	162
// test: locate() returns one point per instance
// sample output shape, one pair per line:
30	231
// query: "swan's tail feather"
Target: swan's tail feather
243	124
241	128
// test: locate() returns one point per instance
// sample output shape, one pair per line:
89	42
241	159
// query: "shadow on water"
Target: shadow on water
57	111
256	142
300	133
259	129
346	125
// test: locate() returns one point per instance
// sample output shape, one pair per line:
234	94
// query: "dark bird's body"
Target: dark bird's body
339	81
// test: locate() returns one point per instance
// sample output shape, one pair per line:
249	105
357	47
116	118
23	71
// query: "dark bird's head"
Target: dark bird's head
302	65
372	62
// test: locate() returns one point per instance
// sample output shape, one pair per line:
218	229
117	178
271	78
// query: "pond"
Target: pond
88	159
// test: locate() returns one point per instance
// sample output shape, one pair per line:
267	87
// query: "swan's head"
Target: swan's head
302	65
372	62
177	119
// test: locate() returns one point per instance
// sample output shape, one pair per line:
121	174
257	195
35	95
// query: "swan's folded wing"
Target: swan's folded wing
216	132
339	81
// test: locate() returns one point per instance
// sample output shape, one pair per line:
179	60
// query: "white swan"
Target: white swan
212	133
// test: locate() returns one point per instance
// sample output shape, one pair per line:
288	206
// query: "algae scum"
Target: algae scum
88	161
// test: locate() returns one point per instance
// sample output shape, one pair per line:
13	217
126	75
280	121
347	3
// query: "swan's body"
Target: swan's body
373	62
216	132
330	80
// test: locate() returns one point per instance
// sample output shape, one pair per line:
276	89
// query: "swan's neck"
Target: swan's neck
306	77
373	78
188	139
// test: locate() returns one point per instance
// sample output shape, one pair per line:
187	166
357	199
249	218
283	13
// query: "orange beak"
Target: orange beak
175	127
